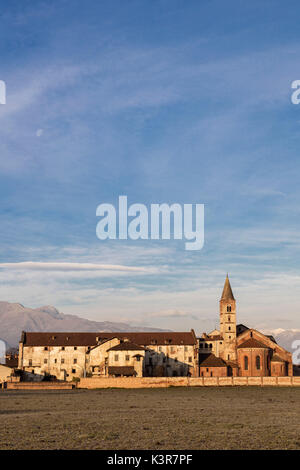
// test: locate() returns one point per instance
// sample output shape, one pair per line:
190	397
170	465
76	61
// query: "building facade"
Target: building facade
69	355
245	352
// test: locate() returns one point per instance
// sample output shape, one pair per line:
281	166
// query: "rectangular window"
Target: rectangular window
45	361
62	361
116	357
73	371
190	359
75	348
127	358
75	361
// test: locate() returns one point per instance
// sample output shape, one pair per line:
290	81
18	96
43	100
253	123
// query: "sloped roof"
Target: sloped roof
276	358
60	339
232	364
227	291
127	346
240	327
210	360
90	339
271	338
252	343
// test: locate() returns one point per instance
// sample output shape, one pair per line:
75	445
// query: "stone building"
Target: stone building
244	351
68	355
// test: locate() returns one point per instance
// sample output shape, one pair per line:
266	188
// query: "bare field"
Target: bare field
173	418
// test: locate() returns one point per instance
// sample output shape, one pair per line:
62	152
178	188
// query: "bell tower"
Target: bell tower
228	323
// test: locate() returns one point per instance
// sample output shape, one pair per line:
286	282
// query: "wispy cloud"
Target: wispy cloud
41	266
171	314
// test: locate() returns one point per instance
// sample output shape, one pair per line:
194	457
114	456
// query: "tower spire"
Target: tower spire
227	291
228	323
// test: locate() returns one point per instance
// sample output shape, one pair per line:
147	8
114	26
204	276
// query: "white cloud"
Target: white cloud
42	266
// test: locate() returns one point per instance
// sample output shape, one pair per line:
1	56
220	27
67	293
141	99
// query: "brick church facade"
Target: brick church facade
236	350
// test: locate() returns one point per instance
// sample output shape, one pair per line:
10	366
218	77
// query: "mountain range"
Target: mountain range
15	318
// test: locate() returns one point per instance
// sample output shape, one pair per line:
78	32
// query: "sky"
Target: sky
165	101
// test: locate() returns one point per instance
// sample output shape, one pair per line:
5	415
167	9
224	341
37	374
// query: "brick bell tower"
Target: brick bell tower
228	323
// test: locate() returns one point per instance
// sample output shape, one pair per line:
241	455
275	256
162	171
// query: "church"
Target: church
236	350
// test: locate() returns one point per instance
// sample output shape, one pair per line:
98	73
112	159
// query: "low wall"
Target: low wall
39	386
157	382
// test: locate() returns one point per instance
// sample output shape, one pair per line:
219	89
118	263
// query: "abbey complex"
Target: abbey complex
232	350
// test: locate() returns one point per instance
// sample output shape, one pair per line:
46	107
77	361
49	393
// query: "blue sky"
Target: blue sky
163	101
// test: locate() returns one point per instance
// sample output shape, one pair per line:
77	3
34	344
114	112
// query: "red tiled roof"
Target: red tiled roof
90	339
210	360
252	343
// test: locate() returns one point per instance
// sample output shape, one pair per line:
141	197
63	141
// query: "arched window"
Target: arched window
228	308
257	362
246	362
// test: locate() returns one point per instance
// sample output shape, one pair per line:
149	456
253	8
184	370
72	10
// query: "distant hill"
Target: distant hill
14	318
